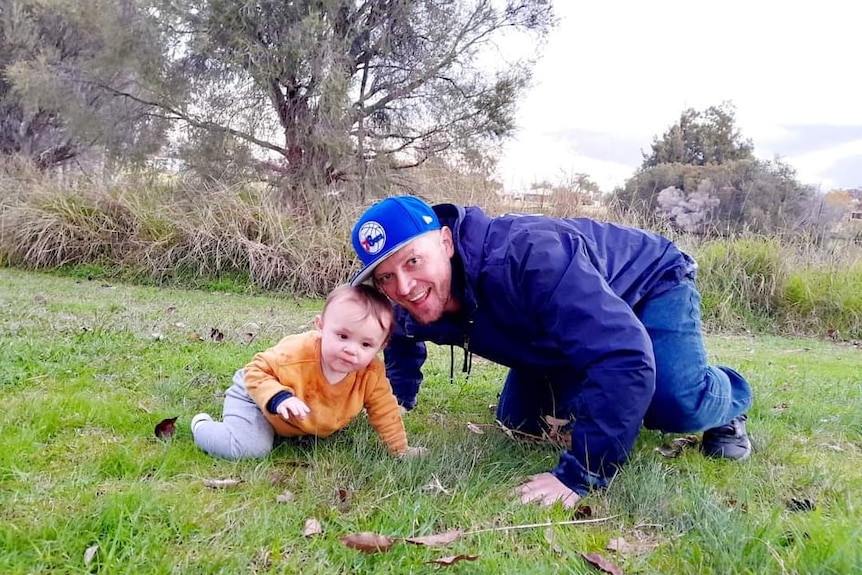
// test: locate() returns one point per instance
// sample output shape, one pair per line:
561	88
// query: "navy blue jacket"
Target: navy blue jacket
540	293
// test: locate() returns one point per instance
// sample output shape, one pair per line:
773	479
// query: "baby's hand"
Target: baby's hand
413	452
292	406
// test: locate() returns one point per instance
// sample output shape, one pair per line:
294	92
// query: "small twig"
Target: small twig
546	524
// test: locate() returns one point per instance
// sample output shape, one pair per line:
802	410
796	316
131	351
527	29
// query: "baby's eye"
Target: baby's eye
366	344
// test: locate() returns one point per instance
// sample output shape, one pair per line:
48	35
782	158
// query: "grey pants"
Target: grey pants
243	432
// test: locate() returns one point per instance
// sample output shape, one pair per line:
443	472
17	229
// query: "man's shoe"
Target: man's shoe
729	441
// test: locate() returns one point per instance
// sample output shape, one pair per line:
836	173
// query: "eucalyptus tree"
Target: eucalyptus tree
55	58
322	89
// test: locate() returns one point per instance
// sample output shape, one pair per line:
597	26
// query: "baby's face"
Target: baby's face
350	337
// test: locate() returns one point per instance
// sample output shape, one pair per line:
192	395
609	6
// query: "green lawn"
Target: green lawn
88	370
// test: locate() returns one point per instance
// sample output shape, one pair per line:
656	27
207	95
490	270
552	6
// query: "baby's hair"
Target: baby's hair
376	304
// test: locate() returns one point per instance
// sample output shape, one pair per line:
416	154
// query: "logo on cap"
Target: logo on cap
372	237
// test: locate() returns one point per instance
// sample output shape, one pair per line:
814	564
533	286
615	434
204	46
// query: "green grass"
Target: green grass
89	368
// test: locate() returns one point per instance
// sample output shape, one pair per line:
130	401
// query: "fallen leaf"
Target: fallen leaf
312	527
583	512
90	554
801	505
285	497
344	499
222	483
551	538
452	560
195	336
602	564
216	335
475	428
367	542
626	549
435	486
166	428
555	421
676	447
434	540
171	309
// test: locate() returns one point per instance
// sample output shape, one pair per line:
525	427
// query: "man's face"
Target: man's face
418	277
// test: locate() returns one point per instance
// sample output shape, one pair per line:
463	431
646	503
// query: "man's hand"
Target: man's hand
292	406
547	490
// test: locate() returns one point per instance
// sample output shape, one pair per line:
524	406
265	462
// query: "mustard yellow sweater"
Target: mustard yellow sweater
293	364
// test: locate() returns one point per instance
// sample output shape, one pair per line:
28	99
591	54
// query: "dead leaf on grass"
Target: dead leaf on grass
368	542
285	497
446	561
801	505
439	539
551	538
90	554
677	446
435	486
602	564
475	428
627	549
344	499
312	527
222	483
166	428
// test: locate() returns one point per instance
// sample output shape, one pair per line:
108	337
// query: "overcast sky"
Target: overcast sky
618	72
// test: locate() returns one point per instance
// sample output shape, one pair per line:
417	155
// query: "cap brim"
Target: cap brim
364	275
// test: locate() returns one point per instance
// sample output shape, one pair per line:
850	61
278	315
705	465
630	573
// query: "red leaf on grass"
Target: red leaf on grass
439	539
368	542
601	563
166	428
453	559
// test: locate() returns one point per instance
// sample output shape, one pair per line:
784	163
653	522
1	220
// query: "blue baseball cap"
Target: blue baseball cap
386	227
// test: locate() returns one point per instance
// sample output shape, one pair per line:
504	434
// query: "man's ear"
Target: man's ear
447	241
318	322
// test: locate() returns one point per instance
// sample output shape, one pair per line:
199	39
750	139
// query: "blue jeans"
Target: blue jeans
690	395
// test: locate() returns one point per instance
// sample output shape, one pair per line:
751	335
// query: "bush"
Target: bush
741	281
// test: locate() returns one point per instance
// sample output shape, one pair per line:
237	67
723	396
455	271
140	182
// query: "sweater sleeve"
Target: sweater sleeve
383	412
261	381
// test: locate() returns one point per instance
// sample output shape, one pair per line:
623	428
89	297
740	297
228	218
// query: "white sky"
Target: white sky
618	72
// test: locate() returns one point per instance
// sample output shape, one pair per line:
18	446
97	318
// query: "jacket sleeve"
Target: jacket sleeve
383	412
404	358
603	340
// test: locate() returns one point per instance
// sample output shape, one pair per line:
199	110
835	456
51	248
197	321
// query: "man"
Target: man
598	323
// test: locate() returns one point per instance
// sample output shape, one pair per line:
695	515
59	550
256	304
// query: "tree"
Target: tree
701	138
54	57
702	176
329	86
